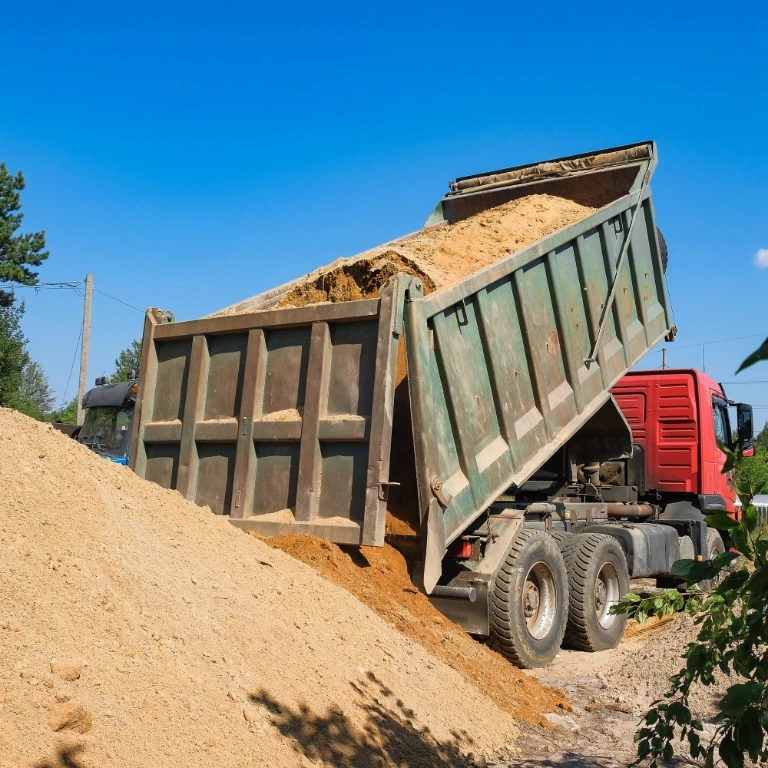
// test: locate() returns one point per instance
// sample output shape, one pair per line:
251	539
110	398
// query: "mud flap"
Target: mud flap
435	546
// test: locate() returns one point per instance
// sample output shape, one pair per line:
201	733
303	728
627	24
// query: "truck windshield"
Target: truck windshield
106	429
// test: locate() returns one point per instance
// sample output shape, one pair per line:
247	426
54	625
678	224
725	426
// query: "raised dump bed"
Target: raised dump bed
282	418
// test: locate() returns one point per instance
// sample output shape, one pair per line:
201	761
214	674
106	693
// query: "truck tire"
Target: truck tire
529	602
560	537
598	577
715	547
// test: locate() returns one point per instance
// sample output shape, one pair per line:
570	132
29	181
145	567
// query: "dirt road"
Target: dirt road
609	692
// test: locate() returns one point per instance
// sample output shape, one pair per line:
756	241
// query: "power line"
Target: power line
119	301
60	286
675	348
71	368
74	285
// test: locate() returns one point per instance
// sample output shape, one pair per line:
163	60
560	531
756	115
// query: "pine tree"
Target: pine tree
17	252
35	397
13	356
128	360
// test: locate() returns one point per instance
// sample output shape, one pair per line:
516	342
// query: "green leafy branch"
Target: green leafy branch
733	634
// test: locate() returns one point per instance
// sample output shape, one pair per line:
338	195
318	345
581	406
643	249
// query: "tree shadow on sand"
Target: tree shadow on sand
388	737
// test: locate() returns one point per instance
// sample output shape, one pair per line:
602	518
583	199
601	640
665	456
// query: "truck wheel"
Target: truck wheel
715	547
597	579
560	537
529	604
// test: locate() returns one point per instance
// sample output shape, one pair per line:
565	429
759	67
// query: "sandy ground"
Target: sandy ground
137	629
378	577
610	691
606	693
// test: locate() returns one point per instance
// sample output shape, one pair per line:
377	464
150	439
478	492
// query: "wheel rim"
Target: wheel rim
607	593
716	551
539	600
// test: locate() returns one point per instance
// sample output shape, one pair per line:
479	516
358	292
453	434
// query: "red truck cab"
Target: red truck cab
677	417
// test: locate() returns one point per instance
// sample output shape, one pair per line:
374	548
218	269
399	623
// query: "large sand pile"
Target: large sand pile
443	255
378	576
138	629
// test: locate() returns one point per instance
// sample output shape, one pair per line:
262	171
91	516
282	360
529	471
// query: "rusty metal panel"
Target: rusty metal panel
279	419
499	365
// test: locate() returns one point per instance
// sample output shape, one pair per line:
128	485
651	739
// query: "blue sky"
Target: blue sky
191	155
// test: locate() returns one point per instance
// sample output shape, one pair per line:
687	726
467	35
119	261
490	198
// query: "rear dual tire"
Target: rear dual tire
598	578
554	589
529	603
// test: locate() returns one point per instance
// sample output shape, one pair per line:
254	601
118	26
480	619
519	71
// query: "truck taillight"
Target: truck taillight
460	550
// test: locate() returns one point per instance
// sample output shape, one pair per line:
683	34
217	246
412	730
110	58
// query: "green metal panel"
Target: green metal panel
499	365
279	419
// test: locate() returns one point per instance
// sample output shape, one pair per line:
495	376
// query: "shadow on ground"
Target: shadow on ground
388	737
66	757
569	760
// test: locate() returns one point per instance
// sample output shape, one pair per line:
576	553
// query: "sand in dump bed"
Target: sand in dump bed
197	645
443	255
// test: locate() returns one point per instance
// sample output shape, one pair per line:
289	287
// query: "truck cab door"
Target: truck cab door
722	433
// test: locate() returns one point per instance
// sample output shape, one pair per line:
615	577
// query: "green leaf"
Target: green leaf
741	542
722	521
682	568
730	753
739	697
699	571
749	733
680	712
749	518
761	353
695	743
758	581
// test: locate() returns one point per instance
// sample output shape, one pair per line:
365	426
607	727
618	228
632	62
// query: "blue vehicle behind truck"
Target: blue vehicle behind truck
108	419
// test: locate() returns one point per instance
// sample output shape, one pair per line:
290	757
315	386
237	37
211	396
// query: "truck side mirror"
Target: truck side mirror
747	450
744	422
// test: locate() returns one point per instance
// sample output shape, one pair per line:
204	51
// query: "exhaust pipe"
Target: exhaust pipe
616	509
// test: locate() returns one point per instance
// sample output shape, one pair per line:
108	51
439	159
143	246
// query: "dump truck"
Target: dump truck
109	409
481	415
107	426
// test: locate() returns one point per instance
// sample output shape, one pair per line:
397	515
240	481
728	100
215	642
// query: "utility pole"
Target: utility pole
84	348
663	358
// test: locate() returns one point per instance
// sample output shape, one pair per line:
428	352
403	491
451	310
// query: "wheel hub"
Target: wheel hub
601	594
531	599
538	600
607	594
